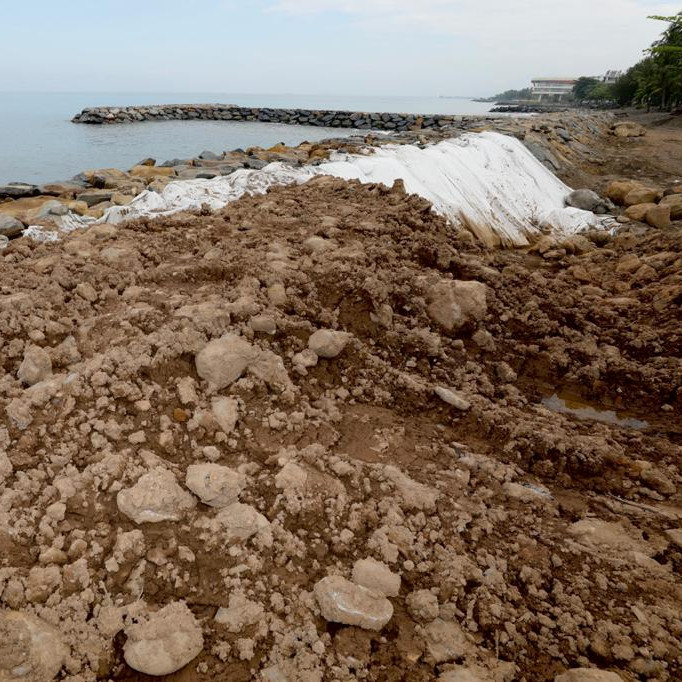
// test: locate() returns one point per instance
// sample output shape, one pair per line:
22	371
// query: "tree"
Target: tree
600	92
625	88
582	88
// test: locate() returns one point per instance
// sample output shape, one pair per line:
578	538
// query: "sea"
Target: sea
38	142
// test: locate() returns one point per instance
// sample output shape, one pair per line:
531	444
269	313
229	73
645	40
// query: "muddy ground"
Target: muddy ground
526	541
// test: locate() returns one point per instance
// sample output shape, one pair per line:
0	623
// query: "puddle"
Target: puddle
583	410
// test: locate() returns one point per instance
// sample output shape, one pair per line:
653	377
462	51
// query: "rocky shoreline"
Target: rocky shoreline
361	120
560	141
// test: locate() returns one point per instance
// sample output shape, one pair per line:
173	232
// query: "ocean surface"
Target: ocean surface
38	142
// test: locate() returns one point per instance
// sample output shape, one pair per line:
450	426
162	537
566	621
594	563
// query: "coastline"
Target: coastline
92	192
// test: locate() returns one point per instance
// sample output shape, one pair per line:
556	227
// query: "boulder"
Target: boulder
659	216
103	177
341	601
588	675
163	642
326	343
35	367
95	196
619	189
156	497
639	211
672	200
453	304
628	129
376	576
149	173
31	650
587	200
18	190
215	485
10	226
643	195
222	361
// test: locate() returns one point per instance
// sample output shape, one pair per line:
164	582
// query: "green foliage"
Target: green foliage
601	92
657	79
583	87
523	94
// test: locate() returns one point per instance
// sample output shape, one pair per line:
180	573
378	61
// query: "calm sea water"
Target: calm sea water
38	142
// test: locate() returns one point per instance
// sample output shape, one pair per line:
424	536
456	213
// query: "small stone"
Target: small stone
376	576
292	477
453	304
341	601
87	291
180	415
31	650
240	522
226	412
451	398
224	360
164	641
154	498
215	485
326	343
241	613
263	324
445	641
422	605
306	358
35	367
187	391
6	467
675	536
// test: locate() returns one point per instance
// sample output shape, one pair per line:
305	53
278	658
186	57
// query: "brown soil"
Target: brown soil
540	537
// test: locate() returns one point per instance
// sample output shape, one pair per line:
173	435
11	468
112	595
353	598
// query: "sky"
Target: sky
333	47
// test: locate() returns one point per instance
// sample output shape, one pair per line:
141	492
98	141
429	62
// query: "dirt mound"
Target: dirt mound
521	541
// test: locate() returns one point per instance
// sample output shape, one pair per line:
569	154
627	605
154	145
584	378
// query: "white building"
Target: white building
611	76
551	88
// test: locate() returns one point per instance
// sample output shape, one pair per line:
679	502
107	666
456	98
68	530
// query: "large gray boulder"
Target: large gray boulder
18	190
10	226
587	200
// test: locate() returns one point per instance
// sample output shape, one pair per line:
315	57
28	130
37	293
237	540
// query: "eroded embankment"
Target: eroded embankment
405	449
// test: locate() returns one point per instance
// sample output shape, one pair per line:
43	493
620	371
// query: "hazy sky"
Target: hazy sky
383	47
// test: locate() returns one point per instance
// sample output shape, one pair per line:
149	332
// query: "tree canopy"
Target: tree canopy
656	80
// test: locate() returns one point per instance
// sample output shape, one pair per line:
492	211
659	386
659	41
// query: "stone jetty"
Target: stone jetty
361	120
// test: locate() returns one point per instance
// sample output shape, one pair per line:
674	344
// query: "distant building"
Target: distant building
551	89
611	76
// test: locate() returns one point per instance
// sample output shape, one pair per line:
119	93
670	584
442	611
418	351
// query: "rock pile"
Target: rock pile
361	120
303	438
643	203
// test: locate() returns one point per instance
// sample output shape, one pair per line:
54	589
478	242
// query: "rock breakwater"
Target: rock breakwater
361	120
